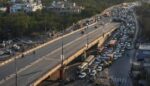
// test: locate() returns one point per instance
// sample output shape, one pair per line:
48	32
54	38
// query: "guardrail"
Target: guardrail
40	46
71	58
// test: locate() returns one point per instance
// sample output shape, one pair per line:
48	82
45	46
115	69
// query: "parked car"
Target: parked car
99	68
93	73
82	75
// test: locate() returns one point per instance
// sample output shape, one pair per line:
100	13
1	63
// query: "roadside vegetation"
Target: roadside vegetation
144	19
21	24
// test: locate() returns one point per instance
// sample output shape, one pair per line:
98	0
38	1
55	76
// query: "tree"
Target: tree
22	24
144	18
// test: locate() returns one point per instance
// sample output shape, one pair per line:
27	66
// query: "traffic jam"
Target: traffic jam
116	45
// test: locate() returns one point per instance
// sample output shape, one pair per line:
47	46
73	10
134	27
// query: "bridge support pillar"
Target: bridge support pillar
58	75
55	75
101	41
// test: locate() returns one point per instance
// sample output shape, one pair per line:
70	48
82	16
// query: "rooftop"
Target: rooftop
64	5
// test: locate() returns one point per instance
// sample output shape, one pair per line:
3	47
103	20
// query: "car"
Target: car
16	47
96	62
95	27
98	59
115	58
82	75
122	50
121	44
8	51
101	64
109	62
88	70
106	63
116	55
99	68
129	46
92	79
93	66
93	73
119	54
82	32
1	52
117	50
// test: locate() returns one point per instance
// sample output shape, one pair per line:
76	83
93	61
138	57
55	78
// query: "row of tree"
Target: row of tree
20	24
144	18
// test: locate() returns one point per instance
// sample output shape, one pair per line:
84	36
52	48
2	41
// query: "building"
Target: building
26	6
32	7
143	52
3	9
147	1
65	7
141	67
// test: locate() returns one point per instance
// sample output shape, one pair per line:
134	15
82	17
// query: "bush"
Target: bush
21	24
144	18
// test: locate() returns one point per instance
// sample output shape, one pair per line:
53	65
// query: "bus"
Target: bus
84	65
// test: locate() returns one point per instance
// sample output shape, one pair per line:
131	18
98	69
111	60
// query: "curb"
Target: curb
40	46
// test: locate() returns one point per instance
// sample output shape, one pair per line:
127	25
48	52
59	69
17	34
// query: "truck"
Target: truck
112	42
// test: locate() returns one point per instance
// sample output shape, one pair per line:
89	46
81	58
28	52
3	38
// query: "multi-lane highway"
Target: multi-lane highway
33	66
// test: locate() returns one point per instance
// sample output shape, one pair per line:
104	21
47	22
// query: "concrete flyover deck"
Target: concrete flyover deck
34	68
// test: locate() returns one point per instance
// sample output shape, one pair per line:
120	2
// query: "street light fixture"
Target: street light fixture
87	37
16	76
62	59
87	40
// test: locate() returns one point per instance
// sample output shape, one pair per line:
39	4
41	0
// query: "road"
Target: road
119	70
21	63
47	57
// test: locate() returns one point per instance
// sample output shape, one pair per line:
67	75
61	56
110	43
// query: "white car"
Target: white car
122	50
93	73
129	46
101	64
99	68
1	53
115	58
82	75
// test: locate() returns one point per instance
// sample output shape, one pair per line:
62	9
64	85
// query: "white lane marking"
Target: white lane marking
40	46
56	50
12	75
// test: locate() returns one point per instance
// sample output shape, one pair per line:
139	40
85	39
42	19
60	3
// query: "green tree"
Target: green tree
144	18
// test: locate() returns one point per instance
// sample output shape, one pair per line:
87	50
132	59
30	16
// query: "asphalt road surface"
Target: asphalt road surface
48	57
119	70
26	60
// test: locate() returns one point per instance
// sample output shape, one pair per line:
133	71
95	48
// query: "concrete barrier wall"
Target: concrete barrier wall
40	46
55	75
99	40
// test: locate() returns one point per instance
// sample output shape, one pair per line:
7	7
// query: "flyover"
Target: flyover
33	68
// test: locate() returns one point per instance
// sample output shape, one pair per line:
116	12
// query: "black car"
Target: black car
82	32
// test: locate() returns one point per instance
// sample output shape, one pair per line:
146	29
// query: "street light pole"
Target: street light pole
87	39
16	77
62	60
